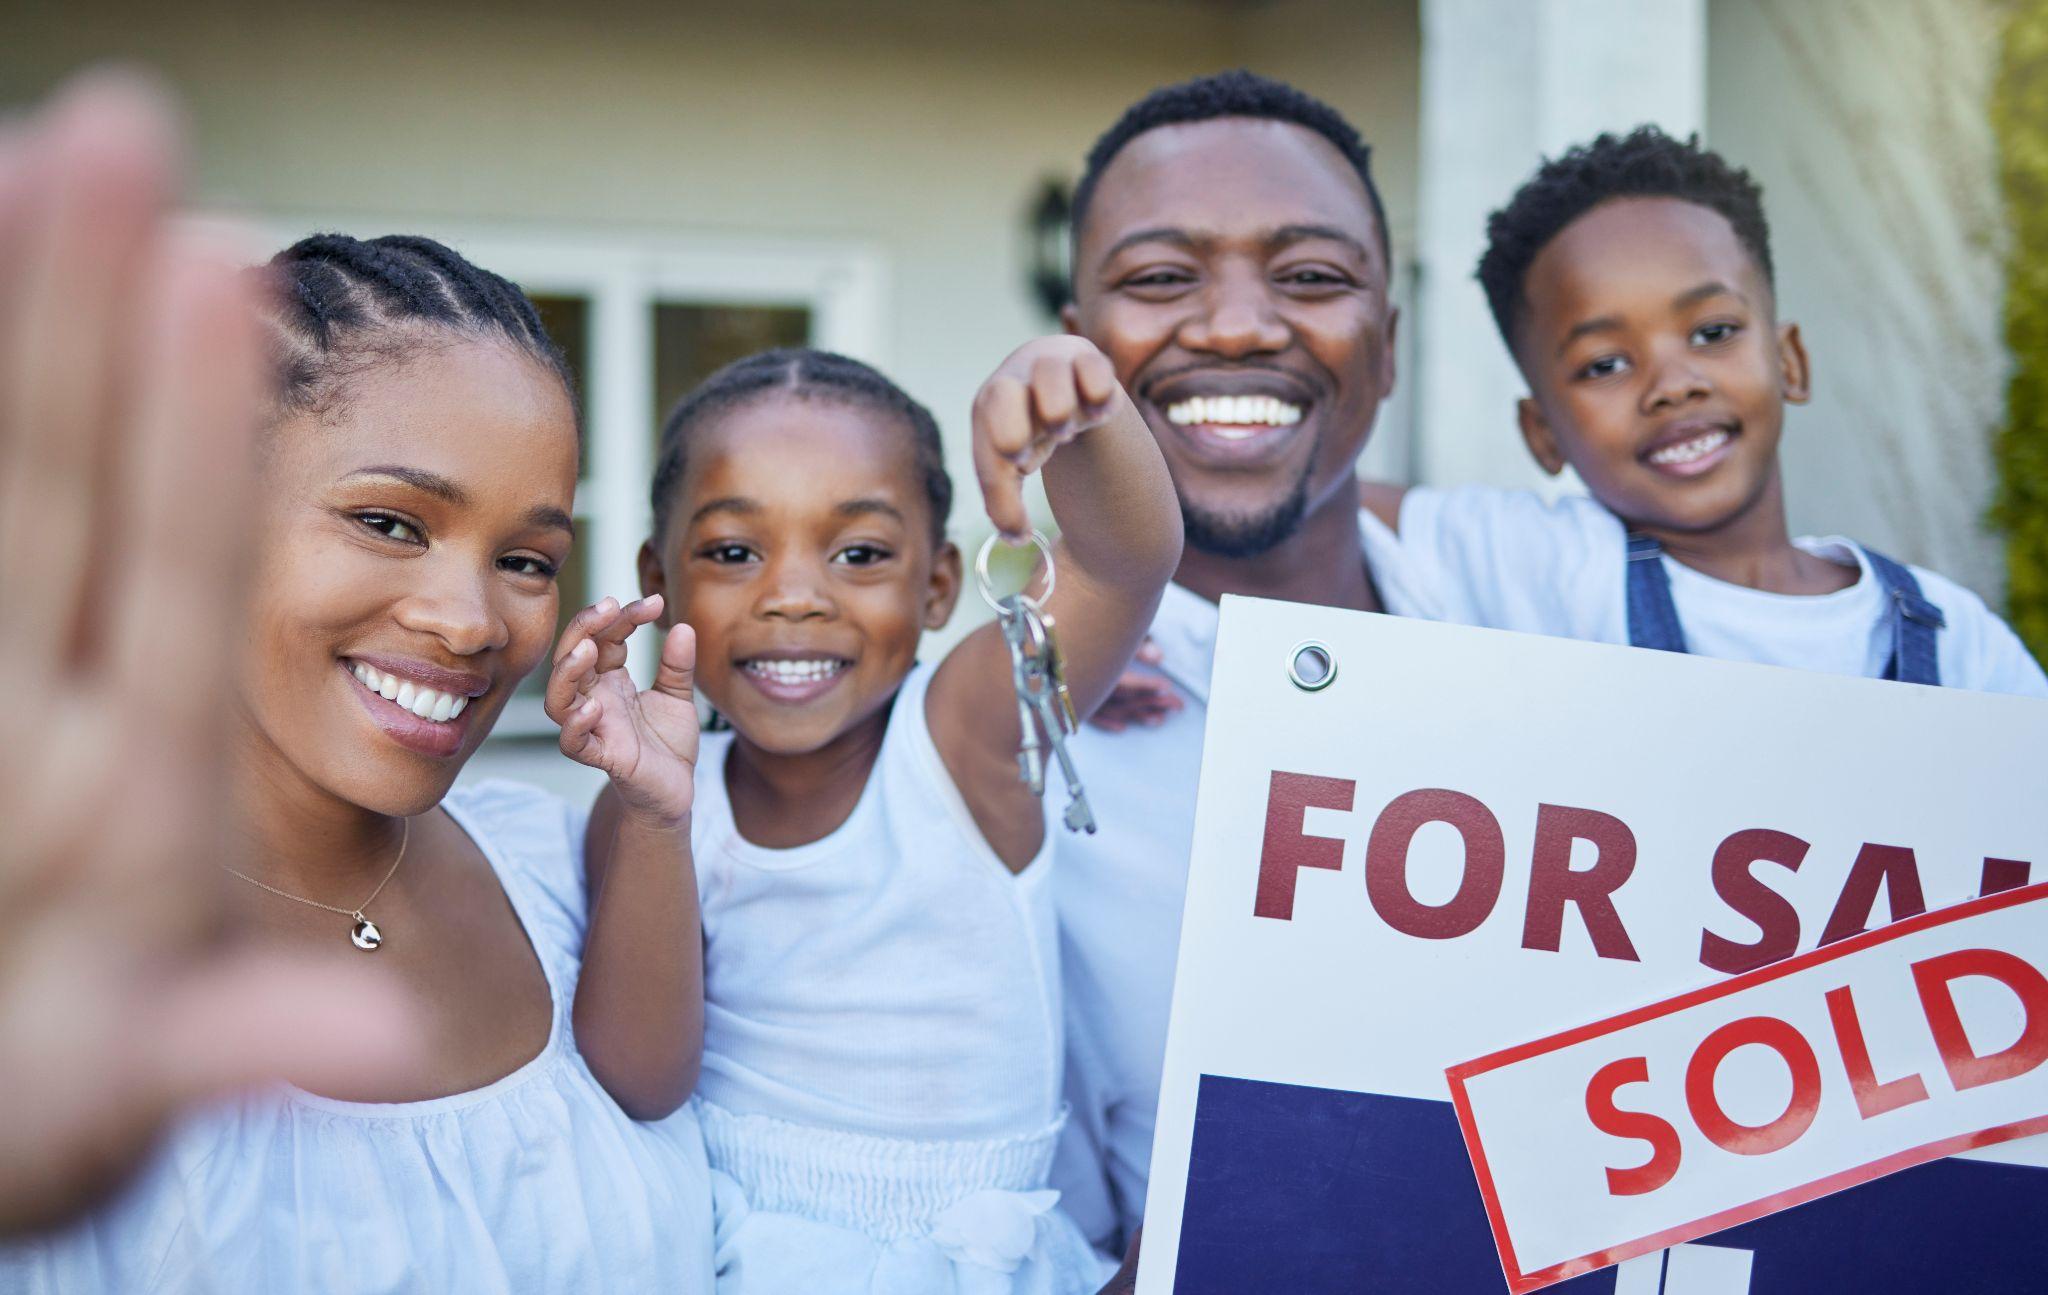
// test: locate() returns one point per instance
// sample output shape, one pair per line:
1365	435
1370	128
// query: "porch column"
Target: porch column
1504	84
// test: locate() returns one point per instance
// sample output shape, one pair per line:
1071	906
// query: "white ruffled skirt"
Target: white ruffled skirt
802	1210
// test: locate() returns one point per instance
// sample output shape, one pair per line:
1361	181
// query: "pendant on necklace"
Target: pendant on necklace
366	935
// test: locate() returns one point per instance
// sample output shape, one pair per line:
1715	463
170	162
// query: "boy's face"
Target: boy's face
799	547
1656	364
1231	270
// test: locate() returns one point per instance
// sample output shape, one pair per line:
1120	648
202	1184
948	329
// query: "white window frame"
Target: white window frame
844	286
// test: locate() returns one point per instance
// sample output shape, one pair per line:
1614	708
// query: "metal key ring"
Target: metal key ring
981	580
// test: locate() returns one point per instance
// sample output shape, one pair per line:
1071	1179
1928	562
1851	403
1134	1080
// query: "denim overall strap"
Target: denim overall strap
1913	620
1652	616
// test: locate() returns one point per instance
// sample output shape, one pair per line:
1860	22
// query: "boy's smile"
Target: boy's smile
1657	366
1690	448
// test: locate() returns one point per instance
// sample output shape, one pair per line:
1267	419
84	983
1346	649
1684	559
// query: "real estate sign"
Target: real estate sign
1419	845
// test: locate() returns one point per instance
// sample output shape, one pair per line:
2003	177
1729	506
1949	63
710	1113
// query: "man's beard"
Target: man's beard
1246	535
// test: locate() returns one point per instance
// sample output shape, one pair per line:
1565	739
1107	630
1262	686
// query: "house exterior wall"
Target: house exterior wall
919	129
1503	86
1866	122
910	135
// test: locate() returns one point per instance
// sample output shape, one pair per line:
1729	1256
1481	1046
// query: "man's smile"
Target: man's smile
1226	418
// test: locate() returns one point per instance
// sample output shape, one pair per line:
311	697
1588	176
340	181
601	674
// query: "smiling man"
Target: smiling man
1231	258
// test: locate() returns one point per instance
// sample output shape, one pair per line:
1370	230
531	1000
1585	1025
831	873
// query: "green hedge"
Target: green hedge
2019	114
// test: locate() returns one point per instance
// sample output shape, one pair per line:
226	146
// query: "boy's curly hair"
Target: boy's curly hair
1645	163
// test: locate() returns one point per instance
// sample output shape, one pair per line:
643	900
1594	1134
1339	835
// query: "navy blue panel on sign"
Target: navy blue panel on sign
1315	1191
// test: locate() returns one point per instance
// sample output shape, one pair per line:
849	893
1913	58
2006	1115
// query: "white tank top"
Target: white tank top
893	978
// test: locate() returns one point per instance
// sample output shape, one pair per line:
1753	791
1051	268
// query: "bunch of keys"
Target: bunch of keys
1045	710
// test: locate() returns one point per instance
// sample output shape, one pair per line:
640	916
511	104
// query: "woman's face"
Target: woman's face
409	542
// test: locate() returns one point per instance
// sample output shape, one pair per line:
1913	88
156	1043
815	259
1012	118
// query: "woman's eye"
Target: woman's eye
396	528
860	555
1708	334
526	564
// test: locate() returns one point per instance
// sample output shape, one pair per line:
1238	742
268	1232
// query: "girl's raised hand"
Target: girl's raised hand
1048	391
646	741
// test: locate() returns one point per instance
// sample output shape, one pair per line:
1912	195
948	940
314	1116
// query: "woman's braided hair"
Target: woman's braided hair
344	305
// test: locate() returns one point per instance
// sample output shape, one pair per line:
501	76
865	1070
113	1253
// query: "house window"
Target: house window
567	319
693	340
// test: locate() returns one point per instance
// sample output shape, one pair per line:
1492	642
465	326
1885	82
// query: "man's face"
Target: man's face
1231	270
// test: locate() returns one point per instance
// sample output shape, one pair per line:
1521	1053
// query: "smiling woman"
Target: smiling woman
414	508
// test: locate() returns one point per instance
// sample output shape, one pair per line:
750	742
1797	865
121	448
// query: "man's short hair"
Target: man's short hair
1237	93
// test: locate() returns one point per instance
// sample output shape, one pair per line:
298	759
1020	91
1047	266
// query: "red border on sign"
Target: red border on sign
1520	1282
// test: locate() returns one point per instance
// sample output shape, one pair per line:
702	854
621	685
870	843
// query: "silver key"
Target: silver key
1016	631
1045	709
1041	683
1079	817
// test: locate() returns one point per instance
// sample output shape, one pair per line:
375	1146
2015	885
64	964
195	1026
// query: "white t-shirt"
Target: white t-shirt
1509	560
1120	893
537	1182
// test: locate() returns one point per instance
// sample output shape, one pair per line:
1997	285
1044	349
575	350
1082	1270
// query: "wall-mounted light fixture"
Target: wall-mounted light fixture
1046	248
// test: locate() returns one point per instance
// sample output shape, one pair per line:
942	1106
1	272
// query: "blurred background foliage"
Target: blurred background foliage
2019	110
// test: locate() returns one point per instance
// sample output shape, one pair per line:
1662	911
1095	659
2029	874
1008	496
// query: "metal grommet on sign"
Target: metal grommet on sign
1311	665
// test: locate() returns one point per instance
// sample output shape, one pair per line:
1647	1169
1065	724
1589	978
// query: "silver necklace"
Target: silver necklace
364	935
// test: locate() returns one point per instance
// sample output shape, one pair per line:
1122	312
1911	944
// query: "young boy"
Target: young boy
1631	278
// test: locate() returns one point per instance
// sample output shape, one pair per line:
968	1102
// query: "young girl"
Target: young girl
881	1057
416	482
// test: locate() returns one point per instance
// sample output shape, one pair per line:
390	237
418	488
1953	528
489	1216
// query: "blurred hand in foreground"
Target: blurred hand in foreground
131	388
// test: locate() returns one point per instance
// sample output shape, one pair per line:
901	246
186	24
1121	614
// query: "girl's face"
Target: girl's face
799	547
407	562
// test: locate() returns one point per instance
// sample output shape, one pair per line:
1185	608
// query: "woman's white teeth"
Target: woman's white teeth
794	671
1233	411
1690	451
427	703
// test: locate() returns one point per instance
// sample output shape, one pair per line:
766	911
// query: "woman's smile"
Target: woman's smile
417	704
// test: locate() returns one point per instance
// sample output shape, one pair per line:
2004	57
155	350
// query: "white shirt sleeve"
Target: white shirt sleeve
1978	650
1508	559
